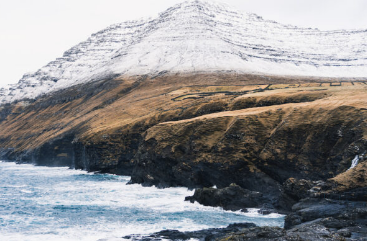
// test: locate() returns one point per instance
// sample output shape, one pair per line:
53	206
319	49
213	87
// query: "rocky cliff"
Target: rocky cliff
195	130
191	99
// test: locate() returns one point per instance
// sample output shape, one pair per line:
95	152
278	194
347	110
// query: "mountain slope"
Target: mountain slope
204	96
194	130
200	36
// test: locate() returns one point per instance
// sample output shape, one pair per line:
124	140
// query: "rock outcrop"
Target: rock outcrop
312	219
208	234
297	189
230	198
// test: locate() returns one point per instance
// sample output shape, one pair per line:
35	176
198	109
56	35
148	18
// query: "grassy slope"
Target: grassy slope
167	107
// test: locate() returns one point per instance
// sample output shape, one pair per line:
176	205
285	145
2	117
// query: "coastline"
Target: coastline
280	143
74	203
310	219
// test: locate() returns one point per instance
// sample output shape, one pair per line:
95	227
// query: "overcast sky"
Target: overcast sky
35	32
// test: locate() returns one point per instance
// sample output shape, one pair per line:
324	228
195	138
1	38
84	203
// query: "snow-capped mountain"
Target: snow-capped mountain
197	36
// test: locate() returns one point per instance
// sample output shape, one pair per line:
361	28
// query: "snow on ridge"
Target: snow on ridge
200	36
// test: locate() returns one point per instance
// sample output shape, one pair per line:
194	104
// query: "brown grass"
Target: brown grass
353	178
116	110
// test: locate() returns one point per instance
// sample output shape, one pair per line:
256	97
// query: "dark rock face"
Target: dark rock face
307	232
312	209
249	232
208	234
59	152
297	189
312	219
231	198
341	219
312	231
263	153
66	151
108	156
355	194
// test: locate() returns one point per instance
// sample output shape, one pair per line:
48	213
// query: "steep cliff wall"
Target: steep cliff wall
194	130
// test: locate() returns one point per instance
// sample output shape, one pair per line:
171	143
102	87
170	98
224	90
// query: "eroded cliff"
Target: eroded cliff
195	130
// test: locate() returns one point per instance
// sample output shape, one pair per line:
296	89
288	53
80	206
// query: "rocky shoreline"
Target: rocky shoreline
310	219
314	210
276	144
248	112
311	215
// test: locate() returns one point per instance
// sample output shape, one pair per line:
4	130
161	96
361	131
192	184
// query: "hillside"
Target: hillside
193	125
203	96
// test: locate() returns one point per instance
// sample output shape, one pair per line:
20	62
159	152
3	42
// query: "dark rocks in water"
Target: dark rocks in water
256	233
236	198
104	157
329	229
231	198
339	219
306	232
265	211
207	234
311	209
250	232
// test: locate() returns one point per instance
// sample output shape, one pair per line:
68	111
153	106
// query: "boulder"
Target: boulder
297	189
231	198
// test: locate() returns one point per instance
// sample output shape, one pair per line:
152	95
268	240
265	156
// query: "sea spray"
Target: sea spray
43	203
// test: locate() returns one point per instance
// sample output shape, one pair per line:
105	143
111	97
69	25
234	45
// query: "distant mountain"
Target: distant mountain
205	96
200	36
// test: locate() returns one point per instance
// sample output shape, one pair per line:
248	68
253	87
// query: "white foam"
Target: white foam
63	205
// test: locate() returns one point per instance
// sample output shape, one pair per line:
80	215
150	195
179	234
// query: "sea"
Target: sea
61	204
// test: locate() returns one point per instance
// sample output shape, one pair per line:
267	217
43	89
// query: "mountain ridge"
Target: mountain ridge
198	36
281	143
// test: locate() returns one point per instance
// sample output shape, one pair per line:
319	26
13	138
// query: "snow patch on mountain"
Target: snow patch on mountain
197	36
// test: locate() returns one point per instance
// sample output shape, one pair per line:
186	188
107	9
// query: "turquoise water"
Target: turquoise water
43	203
